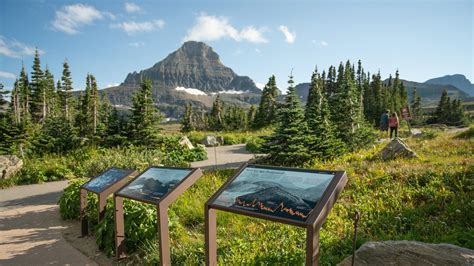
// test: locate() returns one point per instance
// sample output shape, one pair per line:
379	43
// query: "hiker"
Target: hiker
384	123
393	124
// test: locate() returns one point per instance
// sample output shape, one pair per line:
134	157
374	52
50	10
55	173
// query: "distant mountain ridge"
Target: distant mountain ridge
457	80
430	92
194	74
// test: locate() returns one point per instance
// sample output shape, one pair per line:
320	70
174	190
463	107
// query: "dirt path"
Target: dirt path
31	230
227	157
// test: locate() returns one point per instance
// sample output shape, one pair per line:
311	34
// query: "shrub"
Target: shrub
468	134
254	145
69	202
90	161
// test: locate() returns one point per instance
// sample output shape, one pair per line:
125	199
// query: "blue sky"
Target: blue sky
423	39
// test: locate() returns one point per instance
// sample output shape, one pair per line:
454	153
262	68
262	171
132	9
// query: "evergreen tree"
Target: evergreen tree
442	111
267	110
105	114
94	104
216	121
24	97
188	119
289	141
3	102
457	116
38	92
49	95
416	105
322	141
145	117
66	92
251	115
58	136
115	127
15	104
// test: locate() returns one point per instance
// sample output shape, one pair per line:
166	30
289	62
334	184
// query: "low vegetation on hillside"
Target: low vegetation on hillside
429	199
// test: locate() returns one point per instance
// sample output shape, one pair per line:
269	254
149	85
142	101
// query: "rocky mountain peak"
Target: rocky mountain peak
194	65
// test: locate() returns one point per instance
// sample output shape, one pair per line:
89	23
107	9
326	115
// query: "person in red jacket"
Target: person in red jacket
393	124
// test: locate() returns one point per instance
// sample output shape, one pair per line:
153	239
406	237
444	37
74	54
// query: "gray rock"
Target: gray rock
184	141
410	253
210	141
416	132
220	139
9	165
396	148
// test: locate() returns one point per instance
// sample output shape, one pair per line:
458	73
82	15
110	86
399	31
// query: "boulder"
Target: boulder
184	141
220	139
410	253
210	141
396	148
416	132
9	165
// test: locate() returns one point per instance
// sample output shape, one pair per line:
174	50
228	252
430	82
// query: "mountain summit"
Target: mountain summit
457	80
194	65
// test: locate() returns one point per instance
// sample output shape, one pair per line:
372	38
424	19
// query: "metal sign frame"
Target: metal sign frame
162	206
312	224
102	195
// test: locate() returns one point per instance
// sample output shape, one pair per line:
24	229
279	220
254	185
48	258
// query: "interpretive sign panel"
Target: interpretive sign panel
106	179
159	186
280	193
293	196
152	184
103	185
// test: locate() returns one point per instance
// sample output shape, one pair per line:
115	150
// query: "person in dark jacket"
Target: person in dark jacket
393	124
384	123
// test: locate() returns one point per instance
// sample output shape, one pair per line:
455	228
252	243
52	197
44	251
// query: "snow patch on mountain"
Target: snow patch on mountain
191	91
229	92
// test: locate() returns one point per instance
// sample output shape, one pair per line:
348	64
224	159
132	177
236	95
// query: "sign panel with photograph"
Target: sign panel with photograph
154	183
106	179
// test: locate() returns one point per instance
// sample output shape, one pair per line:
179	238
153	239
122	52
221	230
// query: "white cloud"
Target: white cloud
70	18
253	35
137	44
16	49
131	7
132	27
324	43
212	28
289	36
7	75
260	85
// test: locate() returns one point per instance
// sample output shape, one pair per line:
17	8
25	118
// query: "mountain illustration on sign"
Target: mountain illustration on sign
272	198
275	199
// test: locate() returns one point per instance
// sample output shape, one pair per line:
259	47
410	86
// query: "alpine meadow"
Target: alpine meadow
336	133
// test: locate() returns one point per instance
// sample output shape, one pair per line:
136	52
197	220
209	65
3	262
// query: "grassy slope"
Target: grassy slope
429	199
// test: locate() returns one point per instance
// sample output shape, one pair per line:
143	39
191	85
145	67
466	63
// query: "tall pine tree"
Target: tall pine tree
289	141
144	123
322	142
66	92
267	110
188	119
